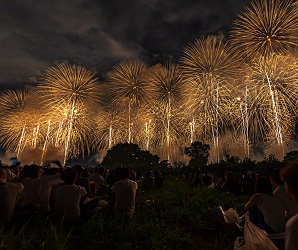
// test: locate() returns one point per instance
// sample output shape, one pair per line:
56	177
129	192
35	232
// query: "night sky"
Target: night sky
99	34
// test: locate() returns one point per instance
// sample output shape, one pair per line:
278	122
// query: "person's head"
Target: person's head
289	174
117	172
69	176
101	171
78	169
124	173
85	172
35	171
275	177
263	185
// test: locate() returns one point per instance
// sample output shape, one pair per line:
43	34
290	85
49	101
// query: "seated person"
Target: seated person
230	183
246	183
289	176
37	188
8	194
265	210
198	179
281	193
70	200
158	179
82	181
98	178
221	180
125	193
207	179
148	181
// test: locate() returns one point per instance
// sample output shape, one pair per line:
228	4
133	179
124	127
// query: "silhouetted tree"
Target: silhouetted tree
198	152
129	155
291	156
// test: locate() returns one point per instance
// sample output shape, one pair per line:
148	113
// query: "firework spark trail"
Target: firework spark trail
192	129
147	129
45	143
58	133
35	135
246	121
129	122
21	141
110	136
244	128
217	117
278	130
71	121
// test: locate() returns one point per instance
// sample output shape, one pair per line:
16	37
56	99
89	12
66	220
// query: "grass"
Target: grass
176	217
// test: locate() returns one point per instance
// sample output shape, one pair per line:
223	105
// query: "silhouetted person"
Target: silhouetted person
125	193
289	176
281	193
246	183
8	195
230	183
158	179
207	179
70	199
148	181
82	181
265	210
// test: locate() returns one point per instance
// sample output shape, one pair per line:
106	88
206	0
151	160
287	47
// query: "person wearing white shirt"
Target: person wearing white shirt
71	200
125	193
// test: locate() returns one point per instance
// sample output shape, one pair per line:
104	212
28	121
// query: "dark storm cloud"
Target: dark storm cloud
98	34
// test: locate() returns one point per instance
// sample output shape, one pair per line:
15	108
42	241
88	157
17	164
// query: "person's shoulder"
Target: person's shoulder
82	190
293	221
258	197
133	183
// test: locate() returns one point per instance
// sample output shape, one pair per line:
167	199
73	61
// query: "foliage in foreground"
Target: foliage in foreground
177	217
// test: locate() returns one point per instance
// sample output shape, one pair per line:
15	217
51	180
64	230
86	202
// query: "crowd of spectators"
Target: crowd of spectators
70	194
74	193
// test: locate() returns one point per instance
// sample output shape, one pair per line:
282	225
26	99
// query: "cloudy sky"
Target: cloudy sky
34	34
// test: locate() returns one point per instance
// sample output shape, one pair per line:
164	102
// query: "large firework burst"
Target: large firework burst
73	93
21	123
210	66
272	96
129	89
211	55
168	88
267	27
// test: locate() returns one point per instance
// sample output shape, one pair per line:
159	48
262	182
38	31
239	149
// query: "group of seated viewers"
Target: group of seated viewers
72	193
273	205
69	193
